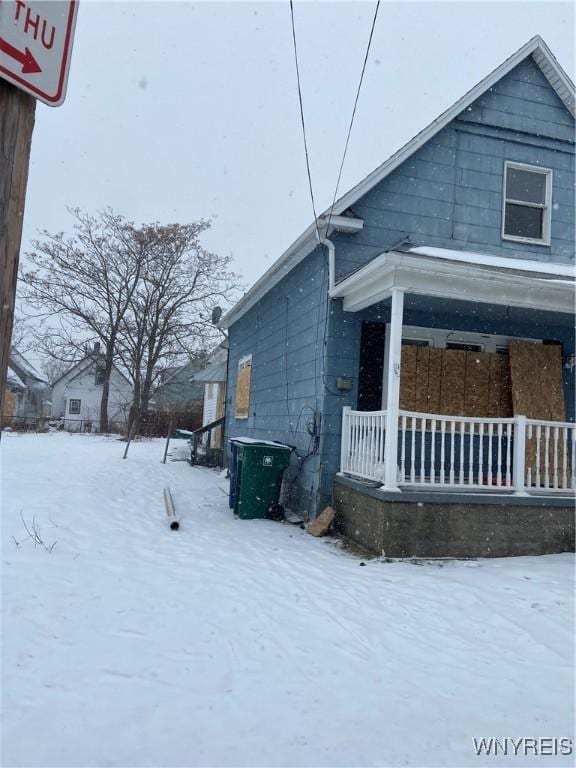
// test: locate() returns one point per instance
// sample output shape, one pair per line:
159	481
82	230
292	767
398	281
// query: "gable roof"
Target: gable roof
88	360
14	380
305	244
195	365
22	367
213	372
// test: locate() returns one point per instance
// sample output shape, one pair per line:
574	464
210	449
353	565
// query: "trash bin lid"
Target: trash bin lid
253	441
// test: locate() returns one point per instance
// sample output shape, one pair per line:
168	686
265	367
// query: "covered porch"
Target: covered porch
463	412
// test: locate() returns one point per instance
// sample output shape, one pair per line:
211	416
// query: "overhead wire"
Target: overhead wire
303	121
377	8
347	142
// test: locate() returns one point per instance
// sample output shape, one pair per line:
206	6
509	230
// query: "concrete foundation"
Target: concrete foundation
426	524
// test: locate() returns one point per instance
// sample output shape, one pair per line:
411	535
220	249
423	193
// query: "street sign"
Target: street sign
36	44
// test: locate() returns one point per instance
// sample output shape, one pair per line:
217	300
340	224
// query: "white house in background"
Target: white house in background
76	395
214	379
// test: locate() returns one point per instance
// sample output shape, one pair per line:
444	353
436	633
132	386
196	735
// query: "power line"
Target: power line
353	111
302	120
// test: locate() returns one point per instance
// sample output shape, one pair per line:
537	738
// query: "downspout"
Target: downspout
331	263
331	248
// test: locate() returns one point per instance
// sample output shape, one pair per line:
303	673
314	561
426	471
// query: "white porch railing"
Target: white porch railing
515	454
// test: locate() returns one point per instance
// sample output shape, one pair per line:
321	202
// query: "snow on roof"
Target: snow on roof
500	262
215	372
20	361
13	379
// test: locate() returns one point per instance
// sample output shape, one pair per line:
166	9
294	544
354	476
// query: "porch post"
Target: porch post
519	456
393	392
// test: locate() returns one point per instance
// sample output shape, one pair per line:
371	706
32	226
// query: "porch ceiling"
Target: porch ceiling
460	275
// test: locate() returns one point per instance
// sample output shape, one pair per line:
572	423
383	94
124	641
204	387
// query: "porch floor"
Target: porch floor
441	495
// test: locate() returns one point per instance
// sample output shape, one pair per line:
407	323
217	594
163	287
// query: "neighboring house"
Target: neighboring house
426	346
213	377
77	394
13	397
27	396
180	393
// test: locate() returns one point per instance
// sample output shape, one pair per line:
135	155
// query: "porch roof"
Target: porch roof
461	275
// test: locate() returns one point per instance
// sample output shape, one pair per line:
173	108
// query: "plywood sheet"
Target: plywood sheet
499	390
408	378
243	392
477	384
536	374
538	393
9	404
422	373
452	382
495	385
434	380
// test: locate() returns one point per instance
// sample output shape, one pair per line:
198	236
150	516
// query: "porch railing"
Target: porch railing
513	454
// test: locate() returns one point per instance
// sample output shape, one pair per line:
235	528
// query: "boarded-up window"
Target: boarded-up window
455	382
538	393
537	387
243	387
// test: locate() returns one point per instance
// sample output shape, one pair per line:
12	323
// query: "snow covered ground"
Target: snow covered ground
250	643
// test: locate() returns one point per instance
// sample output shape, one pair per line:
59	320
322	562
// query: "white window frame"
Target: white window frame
547	207
74	400
438	338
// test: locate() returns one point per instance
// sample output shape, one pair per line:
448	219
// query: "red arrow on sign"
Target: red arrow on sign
29	63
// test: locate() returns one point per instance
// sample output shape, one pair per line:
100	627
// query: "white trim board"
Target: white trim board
300	248
448	279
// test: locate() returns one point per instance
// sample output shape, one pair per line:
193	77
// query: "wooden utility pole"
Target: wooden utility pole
16	123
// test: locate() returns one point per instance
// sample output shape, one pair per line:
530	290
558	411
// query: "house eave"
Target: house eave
551	69
451	280
292	256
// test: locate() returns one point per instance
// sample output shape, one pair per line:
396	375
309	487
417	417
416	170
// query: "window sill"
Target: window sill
526	240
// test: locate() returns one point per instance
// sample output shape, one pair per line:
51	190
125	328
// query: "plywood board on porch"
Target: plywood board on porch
422	374
538	393
499	388
408	378
537	386
477	381
452	386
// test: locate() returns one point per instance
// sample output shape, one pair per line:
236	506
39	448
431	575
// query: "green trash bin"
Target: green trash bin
181	434
260	466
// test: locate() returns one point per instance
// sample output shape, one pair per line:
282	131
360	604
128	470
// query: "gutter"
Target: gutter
299	249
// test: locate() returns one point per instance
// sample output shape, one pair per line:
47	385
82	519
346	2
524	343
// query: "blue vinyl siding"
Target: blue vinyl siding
449	193
284	333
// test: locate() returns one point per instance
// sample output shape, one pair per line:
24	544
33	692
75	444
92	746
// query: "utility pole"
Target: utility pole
17	111
35	48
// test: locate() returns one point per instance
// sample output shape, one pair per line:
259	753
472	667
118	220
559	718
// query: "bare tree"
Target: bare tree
86	282
22	337
168	318
54	369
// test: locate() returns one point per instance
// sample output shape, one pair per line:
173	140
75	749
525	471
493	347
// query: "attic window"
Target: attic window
99	376
527	209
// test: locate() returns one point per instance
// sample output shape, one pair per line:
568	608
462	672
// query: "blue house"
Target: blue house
416	345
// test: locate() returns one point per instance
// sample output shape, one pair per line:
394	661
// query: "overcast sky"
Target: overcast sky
178	111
